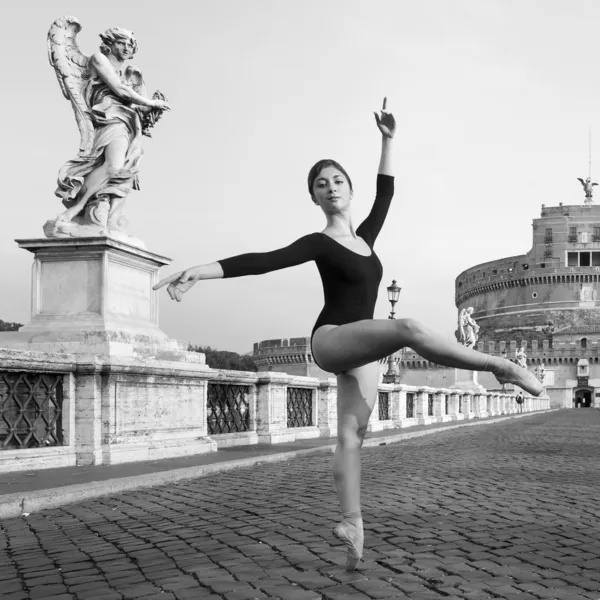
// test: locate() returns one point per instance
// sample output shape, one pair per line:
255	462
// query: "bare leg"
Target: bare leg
343	347
114	160
357	390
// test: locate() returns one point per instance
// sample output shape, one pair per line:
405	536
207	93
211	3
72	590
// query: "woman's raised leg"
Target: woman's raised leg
344	347
356	394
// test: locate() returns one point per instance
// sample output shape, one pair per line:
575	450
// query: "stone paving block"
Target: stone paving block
18	595
96	592
46	590
375	588
11	586
100	595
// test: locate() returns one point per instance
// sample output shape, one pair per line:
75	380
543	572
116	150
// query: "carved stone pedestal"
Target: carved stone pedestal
92	296
466	380
130	393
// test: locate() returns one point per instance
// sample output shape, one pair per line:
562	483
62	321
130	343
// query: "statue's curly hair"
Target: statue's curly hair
116	34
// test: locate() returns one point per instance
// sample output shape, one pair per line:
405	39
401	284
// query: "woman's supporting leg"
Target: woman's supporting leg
344	347
356	394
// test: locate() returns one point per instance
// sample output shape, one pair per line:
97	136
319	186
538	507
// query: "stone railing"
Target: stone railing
56	411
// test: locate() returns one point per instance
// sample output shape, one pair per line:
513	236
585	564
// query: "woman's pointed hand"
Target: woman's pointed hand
386	121
178	284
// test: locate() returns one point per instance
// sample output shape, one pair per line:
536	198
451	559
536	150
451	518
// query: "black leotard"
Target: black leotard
350	280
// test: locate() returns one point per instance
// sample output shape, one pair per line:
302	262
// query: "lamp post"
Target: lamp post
504	355
393	372
393	295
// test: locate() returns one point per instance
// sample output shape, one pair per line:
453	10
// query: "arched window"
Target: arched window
583	343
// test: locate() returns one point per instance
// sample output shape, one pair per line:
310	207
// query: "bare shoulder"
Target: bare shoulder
97	59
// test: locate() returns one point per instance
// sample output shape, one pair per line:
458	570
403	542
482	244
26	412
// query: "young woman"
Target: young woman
346	340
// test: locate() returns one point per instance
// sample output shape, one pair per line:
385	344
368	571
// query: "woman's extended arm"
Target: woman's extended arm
387	125
180	283
302	250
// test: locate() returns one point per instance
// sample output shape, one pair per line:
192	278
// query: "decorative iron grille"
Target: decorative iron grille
410	405
446	404
430	405
228	410
299	407
384	406
30	410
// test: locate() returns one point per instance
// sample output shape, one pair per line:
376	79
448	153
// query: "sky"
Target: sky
493	101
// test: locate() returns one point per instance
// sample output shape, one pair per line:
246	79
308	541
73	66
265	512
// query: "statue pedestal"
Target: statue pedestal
92	296
127	391
466	380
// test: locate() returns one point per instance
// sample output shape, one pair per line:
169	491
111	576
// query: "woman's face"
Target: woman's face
331	190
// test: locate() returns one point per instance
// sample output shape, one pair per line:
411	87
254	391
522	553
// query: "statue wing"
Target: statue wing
581	181
70	65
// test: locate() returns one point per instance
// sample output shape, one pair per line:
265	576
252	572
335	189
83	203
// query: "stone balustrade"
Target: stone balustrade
61	412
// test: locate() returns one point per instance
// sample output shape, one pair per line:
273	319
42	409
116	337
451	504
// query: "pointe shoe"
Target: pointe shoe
353	538
508	372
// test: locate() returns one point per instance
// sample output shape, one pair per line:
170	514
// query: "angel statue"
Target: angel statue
588	187
521	357
468	330
113	112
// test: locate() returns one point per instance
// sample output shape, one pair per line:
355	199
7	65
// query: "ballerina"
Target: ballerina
346	340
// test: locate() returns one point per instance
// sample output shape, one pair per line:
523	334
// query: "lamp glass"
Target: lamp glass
393	292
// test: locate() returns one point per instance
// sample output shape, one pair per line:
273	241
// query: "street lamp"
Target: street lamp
504	355
393	372
393	295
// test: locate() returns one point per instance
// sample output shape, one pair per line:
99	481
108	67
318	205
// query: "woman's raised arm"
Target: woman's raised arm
387	125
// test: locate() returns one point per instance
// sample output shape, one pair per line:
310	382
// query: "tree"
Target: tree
223	359
8	326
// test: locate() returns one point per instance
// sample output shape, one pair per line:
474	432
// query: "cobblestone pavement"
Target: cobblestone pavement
508	510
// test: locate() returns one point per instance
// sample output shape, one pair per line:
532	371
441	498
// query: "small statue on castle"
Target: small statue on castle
541	373
588	187
468	330
521	357
113	112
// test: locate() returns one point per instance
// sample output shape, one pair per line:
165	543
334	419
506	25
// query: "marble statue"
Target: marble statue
468	330
113	112
541	373
521	357
588	187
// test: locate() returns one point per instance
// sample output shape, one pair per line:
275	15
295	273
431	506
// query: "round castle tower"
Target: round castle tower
546	301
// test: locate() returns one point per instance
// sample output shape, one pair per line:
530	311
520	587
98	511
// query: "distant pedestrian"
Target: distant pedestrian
346	340
520	401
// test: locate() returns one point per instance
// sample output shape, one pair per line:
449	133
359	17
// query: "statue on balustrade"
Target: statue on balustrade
113	112
468	330
521	357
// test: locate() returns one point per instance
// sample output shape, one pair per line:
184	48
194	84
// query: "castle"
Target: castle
544	301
